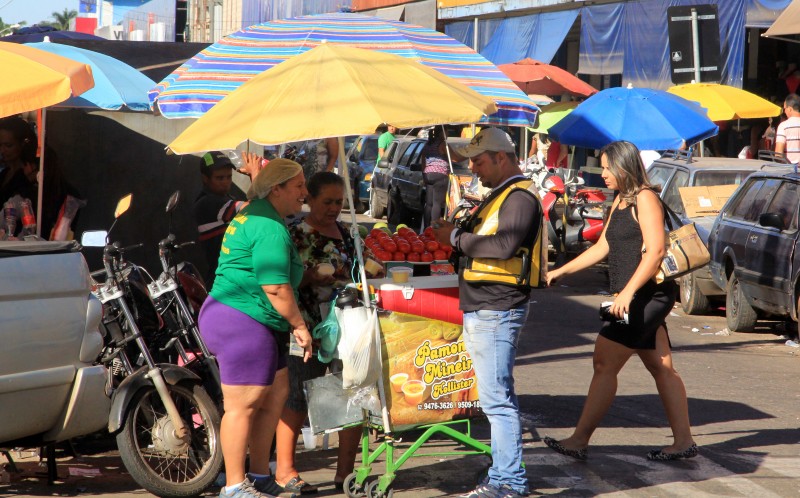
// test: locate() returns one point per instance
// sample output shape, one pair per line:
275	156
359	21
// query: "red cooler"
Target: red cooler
431	297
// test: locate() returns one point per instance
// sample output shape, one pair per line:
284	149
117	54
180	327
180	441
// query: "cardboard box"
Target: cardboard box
705	201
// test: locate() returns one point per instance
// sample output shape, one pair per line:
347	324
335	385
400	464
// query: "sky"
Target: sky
33	11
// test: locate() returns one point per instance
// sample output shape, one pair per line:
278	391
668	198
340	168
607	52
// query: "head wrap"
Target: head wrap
274	173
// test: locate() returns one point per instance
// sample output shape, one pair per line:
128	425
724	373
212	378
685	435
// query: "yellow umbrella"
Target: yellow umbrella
35	79
726	102
332	91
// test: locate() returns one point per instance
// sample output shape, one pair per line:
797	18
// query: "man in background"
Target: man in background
787	137
385	140
215	207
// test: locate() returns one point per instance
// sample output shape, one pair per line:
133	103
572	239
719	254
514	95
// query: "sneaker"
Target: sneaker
266	484
508	492
483	491
245	490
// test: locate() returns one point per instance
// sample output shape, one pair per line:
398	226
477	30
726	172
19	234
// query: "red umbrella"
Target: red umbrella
537	77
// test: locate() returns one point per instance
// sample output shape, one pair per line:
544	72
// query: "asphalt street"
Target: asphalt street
742	399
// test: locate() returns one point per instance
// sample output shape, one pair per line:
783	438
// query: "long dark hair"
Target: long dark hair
625	163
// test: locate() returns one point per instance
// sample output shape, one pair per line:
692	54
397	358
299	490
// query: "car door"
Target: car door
769	252
659	174
751	270
726	241
670	193
381	175
401	176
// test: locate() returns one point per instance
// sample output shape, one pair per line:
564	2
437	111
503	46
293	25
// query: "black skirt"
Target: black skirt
648	311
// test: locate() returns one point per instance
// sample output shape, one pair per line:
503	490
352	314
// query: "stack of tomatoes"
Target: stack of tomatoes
405	245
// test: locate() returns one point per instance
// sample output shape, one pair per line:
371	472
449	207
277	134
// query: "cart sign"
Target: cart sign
427	372
681	46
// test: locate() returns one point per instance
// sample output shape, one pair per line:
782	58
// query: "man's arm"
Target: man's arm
518	216
332	144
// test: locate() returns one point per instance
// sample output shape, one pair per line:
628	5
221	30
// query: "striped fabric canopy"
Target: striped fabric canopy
216	71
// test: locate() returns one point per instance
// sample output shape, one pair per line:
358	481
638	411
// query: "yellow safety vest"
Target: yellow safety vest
528	267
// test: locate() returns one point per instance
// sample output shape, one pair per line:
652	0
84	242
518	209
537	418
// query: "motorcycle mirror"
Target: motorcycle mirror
123	205
94	238
173	200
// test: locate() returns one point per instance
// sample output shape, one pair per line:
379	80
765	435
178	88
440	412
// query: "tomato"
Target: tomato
431	246
426	257
404	231
383	255
388	244
375	233
428	231
399	256
413	257
439	255
418	246
404	247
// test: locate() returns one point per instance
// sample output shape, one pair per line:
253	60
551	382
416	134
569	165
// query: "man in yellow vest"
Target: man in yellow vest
500	249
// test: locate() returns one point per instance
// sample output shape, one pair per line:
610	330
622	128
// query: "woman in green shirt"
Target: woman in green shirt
245	321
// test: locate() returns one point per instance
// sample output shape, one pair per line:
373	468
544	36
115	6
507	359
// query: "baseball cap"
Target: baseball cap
488	139
214	160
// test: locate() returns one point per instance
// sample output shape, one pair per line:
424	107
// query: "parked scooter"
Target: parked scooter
178	294
167	425
574	215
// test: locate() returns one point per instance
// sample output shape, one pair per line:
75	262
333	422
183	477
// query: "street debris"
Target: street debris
792	344
672	313
82	472
724	331
695	329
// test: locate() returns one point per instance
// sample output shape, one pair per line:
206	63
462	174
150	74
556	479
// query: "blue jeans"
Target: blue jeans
491	339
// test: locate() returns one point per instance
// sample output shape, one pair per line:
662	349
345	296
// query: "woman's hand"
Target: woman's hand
622	304
253	163
303	338
553	276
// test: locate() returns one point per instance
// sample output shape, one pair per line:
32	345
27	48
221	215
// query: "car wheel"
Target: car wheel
375	209
693	301
741	317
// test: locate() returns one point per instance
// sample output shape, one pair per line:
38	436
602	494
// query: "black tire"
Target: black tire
375	209
739	315
395	211
693	301
374	492
351	487
159	462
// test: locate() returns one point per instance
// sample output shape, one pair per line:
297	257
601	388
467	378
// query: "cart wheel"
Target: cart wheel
351	487
374	492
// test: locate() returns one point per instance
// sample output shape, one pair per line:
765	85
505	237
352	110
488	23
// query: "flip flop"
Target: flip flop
296	485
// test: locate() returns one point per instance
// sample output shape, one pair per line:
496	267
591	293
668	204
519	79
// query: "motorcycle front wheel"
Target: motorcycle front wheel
158	460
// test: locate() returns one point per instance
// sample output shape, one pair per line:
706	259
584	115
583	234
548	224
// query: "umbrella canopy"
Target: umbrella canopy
537	77
651	119
221	68
116	84
552	114
787	24
332	91
37	33
725	102
38	79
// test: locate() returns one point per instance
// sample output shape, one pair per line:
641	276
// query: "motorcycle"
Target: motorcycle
574	215
178	293
167	426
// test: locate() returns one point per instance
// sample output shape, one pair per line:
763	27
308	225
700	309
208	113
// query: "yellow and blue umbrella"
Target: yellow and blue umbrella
116	84
221	68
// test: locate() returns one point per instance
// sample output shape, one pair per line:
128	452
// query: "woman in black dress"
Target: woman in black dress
636	222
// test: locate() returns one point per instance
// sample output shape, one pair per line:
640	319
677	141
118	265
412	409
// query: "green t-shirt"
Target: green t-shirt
256	250
383	143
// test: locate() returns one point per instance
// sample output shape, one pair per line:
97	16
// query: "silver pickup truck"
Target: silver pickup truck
51	388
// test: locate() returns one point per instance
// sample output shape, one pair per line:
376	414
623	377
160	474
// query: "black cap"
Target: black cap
214	160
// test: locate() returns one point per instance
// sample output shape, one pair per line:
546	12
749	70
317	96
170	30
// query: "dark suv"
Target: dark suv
676	170
753	246
397	187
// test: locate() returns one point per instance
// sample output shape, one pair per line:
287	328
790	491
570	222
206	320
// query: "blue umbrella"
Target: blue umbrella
116	84
37	33
650	119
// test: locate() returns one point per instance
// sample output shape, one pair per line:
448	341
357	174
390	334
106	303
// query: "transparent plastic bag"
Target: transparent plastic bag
327	331
358	347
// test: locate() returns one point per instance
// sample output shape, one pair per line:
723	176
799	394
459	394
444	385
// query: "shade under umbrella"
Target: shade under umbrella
532	76
116	84
725	102
219	69
38	79
332	91
651	119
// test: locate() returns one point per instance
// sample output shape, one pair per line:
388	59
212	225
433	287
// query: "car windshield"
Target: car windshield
711	178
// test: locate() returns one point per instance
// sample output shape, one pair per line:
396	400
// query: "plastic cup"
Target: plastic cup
309	439
372	267
414	391
400	274
397	380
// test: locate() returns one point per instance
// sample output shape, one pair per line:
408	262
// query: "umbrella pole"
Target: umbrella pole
40	175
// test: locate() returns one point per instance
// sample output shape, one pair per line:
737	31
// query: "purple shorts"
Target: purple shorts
247	351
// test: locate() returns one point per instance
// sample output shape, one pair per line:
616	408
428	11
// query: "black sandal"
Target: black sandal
558	447
297	485
660	456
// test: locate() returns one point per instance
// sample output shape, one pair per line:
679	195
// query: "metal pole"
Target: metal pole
475	48
696	46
